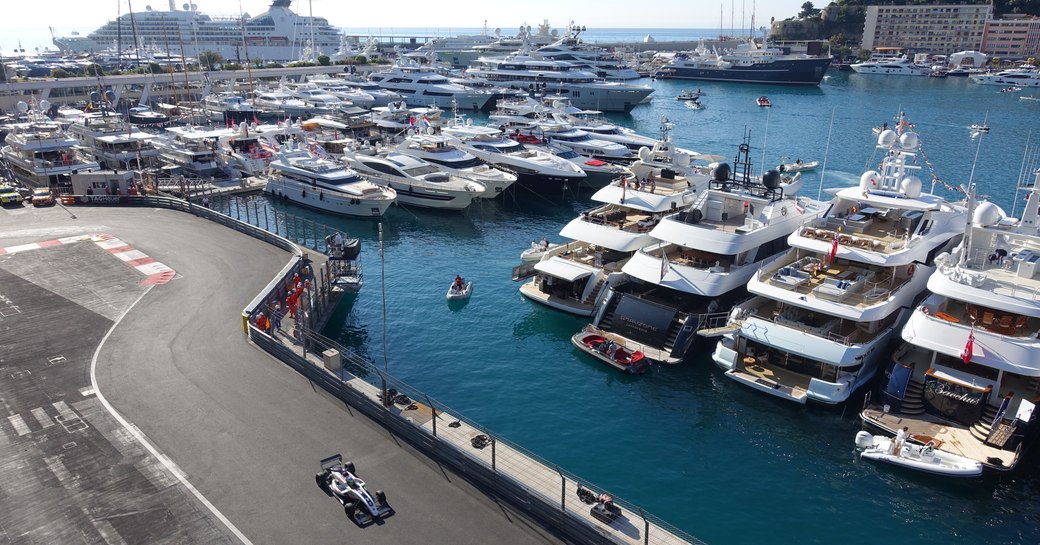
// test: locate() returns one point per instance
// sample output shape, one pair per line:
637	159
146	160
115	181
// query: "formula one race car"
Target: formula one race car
339	481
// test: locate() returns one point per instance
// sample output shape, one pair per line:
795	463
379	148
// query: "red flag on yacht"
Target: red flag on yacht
834	248
969	348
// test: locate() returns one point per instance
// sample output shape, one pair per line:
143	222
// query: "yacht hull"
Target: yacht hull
786	72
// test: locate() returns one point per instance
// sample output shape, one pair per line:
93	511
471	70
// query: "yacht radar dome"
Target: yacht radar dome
869	180
911	187
722	172
22	106
45	105
909	140
887	138
771	179
987	215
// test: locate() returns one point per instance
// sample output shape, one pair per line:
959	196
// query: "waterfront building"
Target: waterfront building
938	29
1015	36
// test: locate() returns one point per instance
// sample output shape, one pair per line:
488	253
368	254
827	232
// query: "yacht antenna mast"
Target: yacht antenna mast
1022	173
826	153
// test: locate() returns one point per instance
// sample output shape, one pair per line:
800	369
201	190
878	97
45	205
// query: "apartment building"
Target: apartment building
1013	36
936	29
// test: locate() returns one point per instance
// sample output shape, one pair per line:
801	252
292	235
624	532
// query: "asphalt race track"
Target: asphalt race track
242	429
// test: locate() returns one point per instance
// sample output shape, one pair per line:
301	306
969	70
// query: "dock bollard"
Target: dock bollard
332	358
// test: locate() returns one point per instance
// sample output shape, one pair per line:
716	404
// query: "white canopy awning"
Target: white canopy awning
564	269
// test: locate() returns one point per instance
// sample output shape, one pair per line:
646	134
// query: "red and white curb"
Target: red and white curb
155	272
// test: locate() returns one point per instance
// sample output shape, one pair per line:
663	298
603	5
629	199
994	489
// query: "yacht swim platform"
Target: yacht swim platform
955	438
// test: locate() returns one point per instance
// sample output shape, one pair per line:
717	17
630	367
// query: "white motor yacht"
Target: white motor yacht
114	142
417	182
194	151
968	372
827	309
380	96
1018	78
899	66
574	277
441	150
40	155
304	178
229	107
531	167
282	102
702	259
421	86
573	49
583	88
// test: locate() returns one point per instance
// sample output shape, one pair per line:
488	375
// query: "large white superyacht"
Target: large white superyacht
535	168
300	176
113	141
39	154
583	88
420	85
441	150
575	277
827	309
417	182
968	374
683	285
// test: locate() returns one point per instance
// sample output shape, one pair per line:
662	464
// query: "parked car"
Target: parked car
10	195
42	197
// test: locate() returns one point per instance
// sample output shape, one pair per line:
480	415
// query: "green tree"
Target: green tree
808	11
324	60
94	70
210	59
361	59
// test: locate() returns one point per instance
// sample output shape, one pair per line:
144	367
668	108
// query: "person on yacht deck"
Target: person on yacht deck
897	443
457	286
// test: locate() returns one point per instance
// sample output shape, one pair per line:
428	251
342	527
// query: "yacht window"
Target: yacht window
421	170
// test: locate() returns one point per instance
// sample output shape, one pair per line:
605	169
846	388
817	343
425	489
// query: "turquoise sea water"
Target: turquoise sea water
727	464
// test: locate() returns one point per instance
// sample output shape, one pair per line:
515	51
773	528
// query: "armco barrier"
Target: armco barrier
534	486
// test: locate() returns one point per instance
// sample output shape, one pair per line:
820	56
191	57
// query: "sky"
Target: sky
28	22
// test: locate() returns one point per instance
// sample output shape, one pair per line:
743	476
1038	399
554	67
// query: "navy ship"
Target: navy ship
747	63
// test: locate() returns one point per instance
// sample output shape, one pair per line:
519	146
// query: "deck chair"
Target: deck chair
987	317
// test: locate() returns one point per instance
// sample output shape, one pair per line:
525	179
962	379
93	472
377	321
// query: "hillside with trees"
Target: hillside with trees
841	21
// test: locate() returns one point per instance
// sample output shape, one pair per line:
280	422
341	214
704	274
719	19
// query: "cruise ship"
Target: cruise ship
968	374
748	63
827	309
275	35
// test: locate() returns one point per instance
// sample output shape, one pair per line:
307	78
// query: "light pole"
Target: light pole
382	283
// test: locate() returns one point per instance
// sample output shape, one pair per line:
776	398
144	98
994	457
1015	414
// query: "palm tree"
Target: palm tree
209	59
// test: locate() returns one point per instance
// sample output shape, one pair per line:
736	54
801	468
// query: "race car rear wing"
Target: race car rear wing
332	461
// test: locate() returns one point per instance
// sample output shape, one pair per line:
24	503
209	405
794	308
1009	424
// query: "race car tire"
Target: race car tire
319	479
349	466
381	497
350	509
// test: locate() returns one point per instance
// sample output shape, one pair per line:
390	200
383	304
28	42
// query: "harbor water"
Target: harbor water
720	461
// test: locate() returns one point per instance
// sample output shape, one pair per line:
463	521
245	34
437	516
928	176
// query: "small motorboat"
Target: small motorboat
456	294
763	101
1012	89
594	343
537	251
927	457
1029	98
797	166
687	94
980	128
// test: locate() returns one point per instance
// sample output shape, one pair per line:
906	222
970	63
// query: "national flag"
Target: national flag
411	120
426	122
255	121
834	248
969	348
664	263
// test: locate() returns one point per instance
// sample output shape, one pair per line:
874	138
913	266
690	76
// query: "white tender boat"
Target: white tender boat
536	252
927	458
798	166
455	294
